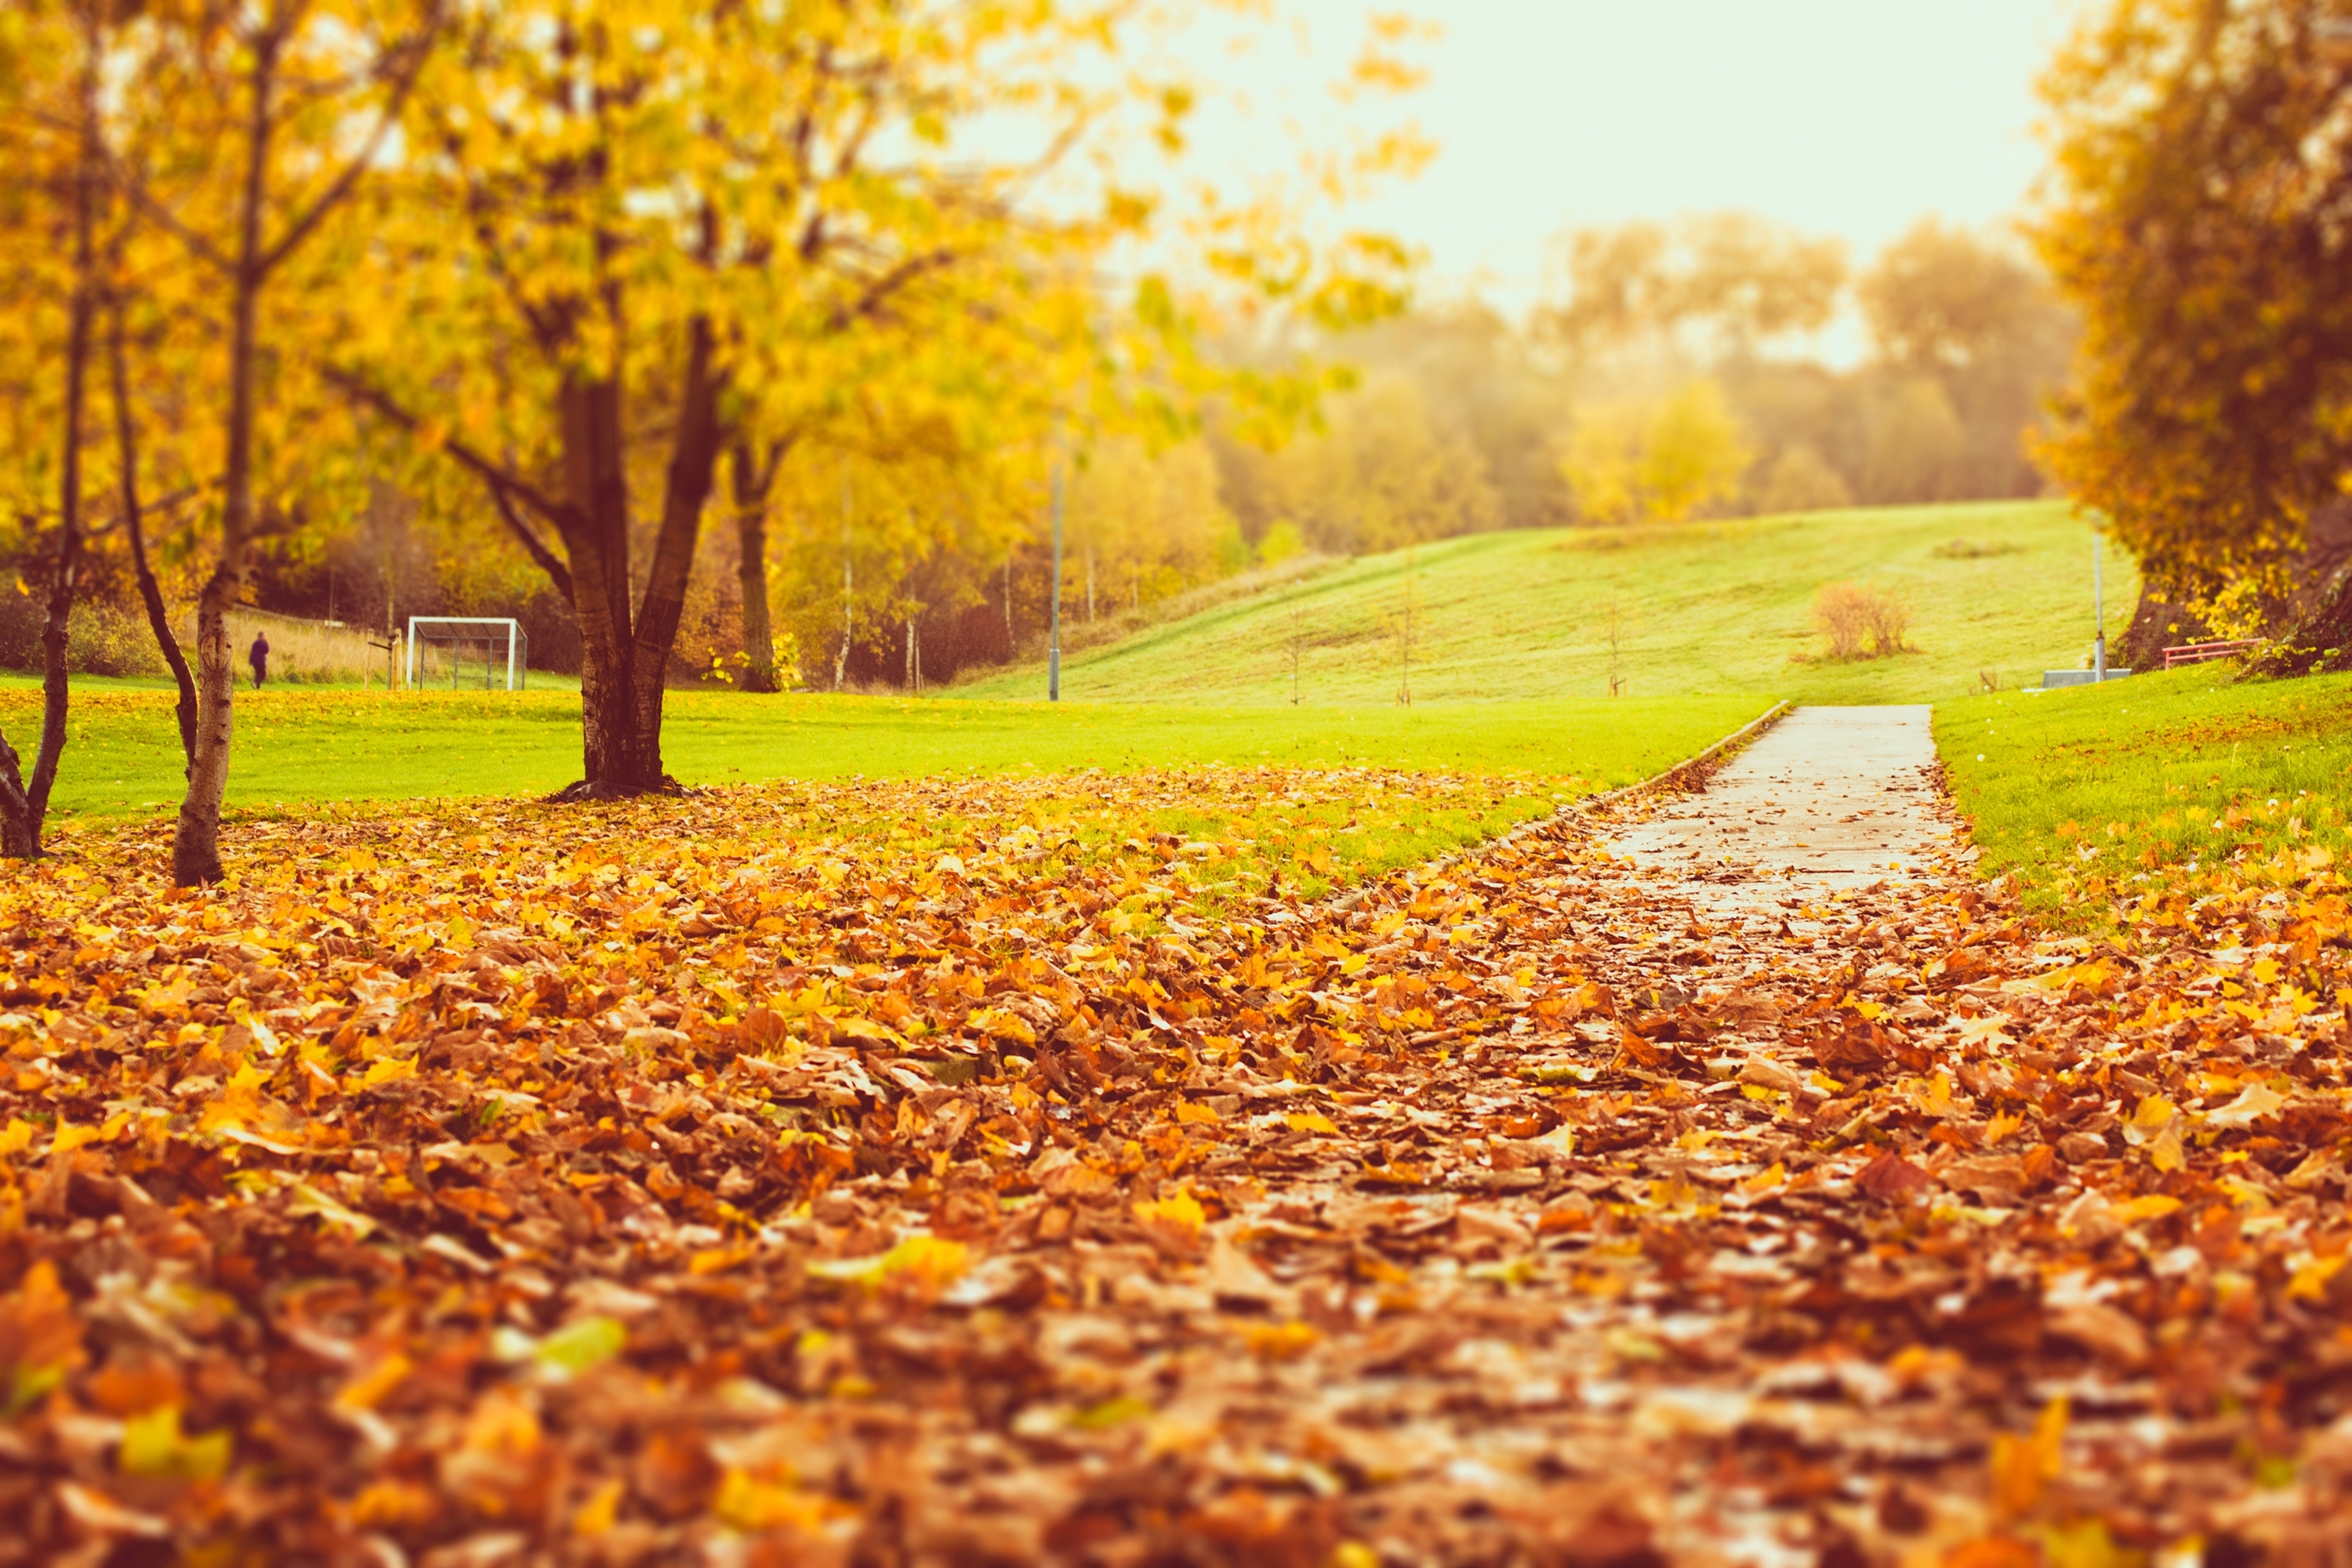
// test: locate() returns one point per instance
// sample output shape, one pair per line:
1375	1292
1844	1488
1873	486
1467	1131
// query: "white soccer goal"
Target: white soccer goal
450	646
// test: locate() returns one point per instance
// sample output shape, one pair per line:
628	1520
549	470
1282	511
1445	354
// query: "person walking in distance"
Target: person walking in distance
257	656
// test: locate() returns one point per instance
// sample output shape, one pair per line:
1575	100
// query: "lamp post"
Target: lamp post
1054	645
2098	603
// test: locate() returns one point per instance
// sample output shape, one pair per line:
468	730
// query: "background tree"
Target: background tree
1979	320
1718	283
277	113
2196	217
1381	474
1967	339
1655	460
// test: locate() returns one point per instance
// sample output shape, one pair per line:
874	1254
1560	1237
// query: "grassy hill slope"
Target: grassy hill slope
1722	607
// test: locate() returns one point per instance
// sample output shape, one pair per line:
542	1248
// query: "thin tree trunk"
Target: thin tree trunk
196	849
693	468
151	593
65	564
751	490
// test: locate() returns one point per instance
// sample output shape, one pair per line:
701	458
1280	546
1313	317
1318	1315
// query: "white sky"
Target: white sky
1846	117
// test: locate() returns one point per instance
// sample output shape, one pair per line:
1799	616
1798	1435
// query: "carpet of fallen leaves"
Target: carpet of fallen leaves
654	1185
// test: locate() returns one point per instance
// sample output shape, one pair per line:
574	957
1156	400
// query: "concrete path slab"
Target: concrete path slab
1832	797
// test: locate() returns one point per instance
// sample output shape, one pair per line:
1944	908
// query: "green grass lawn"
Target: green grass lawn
2093	794
295	745
1722	607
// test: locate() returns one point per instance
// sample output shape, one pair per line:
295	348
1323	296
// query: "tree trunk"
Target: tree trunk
693	467
19	841
2319	643
752	487
623	656
66	561
65	564
595	528
151	593
195	849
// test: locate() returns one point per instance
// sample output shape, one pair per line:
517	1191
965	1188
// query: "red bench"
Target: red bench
2199	652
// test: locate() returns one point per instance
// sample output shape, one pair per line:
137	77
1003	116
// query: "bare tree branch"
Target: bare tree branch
417	49
495	474
557	573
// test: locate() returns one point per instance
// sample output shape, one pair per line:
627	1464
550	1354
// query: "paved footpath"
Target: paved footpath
1594	1281
1834	796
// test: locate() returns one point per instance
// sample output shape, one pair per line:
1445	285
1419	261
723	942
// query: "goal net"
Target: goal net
485	652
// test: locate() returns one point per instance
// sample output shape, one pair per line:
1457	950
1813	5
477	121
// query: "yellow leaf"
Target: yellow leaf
1936	1095
69	1139
308	1200
390	1069
588	1342
1280	1342
2310	1281
152	1445
2023	1466
1002	1026
2254	1102
2153	1112
17	1137
600	1512
2153	1206
1193	1111
1180	1211
364	1391
717	1259
750	1504
925	1258
1309	1122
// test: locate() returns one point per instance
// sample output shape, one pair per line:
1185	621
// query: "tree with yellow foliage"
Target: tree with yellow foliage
2195	217
1660	460
254	127
637	236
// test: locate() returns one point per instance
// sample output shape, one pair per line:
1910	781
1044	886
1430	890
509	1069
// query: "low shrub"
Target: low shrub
1861	623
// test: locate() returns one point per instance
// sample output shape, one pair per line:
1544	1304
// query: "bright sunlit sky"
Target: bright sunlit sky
1846	117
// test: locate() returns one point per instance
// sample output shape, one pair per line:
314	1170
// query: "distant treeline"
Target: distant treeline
1665	377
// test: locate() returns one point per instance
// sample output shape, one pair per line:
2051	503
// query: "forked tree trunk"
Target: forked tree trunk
625	655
